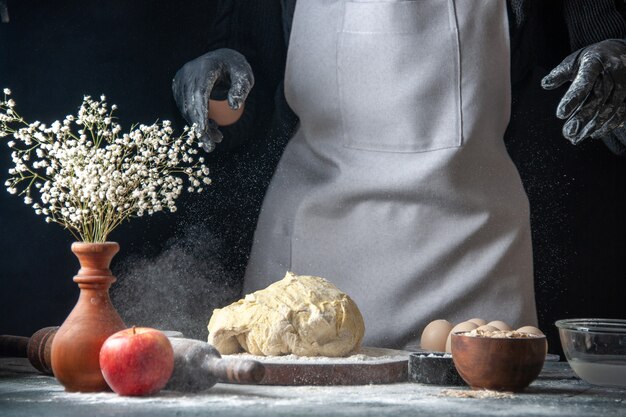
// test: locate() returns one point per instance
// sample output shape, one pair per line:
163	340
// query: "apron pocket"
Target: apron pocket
398	76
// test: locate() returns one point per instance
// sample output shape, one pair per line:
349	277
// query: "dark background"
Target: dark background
173	269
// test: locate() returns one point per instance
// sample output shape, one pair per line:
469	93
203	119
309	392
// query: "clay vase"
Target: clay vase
76	346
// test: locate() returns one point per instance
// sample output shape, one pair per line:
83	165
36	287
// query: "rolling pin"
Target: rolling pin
36	348
197	365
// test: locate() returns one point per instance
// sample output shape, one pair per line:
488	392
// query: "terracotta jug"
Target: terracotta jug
76	346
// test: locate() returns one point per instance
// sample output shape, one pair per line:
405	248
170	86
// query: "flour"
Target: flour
475	394
560	395
436	355
365	354
501	334
176	289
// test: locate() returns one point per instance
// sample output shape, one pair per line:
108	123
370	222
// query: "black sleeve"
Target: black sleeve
521	35
592	21
254	29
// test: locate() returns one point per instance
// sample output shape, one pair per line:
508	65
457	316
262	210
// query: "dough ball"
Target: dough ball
301	315
435	334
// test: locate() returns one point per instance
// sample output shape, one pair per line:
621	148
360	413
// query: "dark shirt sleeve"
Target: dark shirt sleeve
592	21
521	33
253	28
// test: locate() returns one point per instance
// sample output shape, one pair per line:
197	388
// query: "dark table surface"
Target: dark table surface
557	392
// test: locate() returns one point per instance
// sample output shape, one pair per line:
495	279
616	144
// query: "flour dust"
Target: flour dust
177	289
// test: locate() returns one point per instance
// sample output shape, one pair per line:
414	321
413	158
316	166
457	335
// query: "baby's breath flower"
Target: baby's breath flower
93	178
7	91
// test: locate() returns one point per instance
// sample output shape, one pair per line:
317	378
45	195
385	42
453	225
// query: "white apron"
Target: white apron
397	186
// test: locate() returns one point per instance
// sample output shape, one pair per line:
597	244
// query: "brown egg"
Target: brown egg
533	330
500	325
488	328
222	114
478	322
435	334
466	326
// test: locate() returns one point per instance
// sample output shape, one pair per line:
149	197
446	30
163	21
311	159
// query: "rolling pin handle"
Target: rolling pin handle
40	347
236	370
13	346
36	348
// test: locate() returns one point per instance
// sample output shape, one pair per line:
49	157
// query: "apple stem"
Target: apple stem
134	331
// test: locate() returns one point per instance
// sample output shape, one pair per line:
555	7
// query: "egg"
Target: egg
500	325
466	326
487	328
478	322
533	330
222	114
435	334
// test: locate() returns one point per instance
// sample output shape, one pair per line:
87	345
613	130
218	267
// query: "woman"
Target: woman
396	186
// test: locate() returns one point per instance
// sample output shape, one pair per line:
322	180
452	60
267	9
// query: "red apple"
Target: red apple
137	361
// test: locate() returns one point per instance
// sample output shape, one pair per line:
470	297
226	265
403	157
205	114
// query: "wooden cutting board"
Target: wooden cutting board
369	366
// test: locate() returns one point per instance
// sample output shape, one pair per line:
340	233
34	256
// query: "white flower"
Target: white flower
7	91
81	180
10	144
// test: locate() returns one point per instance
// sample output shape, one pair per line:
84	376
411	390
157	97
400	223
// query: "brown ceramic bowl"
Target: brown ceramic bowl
499	364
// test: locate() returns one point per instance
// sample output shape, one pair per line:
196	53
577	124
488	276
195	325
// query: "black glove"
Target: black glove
594	103
193	83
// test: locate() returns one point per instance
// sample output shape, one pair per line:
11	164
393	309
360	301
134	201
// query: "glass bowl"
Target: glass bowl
595	349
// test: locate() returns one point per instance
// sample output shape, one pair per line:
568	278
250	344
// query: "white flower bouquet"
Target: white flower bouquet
88	176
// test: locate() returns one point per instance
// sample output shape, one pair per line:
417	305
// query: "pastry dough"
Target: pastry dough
300	315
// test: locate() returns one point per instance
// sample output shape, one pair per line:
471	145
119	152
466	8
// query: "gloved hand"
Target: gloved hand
594	102
193	83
